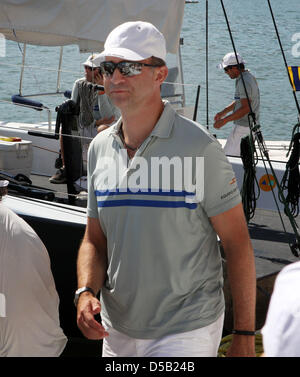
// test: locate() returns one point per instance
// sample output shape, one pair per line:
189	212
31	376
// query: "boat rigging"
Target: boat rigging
256	135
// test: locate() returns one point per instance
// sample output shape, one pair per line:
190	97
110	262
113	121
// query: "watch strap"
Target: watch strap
81	290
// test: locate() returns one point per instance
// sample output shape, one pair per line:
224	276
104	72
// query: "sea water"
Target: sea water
254	37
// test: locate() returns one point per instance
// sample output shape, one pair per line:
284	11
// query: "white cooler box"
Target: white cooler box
16	157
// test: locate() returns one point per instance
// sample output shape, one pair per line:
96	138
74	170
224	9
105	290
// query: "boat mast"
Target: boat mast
22	69
59	69
207	118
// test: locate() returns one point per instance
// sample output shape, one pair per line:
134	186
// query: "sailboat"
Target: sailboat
87	27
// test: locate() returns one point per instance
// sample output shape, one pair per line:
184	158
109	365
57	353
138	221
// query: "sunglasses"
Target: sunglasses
126	69
89	68
226	69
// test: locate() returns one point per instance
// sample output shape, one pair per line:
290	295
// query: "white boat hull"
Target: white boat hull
45	151
67	215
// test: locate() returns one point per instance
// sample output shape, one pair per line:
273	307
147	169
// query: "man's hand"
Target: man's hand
242	346
88	306
98	80
219	115
101	121
220	123
102	128
221	120
104	123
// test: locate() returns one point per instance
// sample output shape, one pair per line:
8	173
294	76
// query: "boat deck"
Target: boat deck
277	149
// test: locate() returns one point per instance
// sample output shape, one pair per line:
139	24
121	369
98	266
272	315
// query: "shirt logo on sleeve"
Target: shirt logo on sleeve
224	196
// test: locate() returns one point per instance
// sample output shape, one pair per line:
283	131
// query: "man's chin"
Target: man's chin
118	97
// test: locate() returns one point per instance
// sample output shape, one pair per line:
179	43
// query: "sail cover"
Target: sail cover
85	23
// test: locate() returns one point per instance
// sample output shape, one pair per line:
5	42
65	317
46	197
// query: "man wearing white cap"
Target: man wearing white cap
150	246
95	110
234	67
108	113
3	188
29	316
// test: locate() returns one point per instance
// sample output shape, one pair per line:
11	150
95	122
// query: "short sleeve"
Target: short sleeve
241	89
221	191
92	207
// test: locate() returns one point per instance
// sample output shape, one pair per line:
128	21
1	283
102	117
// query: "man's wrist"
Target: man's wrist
80	291
244	332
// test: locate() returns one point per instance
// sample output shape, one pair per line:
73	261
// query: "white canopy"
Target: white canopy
85	22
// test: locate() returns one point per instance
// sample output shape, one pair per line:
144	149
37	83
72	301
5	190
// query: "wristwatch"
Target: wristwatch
81	290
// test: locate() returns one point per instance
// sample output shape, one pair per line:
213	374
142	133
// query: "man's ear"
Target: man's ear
161	74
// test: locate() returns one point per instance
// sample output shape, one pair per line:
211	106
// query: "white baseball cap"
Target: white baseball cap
97	59
89	61
230	59
135	40
4	183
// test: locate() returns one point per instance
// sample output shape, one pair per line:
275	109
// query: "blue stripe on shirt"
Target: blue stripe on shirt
146	203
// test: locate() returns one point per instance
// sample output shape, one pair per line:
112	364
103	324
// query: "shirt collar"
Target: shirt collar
162	128
242	73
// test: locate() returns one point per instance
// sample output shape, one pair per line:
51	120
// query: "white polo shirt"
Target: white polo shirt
253	94
29	317
281	335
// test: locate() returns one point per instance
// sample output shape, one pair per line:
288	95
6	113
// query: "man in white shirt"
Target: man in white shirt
239	109
95	110
29	316
281	330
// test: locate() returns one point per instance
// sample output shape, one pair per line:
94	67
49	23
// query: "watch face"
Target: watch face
81	290
77	294
76	298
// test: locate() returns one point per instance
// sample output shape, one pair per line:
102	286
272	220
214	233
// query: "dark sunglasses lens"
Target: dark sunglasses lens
107	68
125	68
131	69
